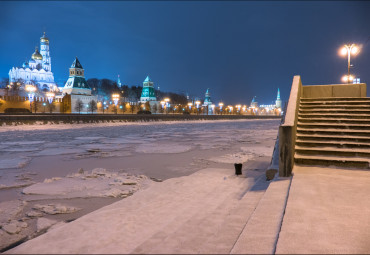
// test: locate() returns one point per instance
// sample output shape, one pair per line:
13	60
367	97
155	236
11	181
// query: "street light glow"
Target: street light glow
348	50
50	97
347	78
115	98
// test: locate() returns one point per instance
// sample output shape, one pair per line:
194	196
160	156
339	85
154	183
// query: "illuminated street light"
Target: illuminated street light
230	108
31	96
213	108
31	90
190	105
197	103
50	97
348	50
220	105
238	106
115	98
347	79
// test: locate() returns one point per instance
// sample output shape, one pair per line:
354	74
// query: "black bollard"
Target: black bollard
238	168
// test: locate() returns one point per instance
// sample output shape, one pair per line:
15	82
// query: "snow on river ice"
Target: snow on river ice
49	157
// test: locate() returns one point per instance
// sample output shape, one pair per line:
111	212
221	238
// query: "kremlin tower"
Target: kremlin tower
278	100
148	93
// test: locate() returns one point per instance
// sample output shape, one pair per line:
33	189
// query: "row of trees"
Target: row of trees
106	87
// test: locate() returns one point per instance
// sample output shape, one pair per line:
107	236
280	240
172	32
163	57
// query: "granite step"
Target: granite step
334	125
334	120
336	144
334	99
333	115
348	162
332	131
333	151
334	138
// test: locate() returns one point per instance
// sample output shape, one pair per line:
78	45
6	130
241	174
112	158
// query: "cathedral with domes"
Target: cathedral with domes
37	70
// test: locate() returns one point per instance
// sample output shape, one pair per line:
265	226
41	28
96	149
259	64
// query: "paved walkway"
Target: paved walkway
328	211
210	211
213	211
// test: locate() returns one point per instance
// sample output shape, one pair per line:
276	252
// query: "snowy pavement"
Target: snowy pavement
328	211
205	212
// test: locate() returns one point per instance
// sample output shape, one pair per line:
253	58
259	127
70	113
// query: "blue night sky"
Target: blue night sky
237	49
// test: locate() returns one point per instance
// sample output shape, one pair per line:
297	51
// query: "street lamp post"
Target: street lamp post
31	96
197	103
220	105
167	100
231	109
349	49
238	106
190	105
163	104
115	98
50	97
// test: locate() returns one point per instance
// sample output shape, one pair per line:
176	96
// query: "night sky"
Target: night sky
237	49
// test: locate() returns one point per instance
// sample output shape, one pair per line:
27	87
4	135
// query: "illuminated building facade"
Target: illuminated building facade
36	71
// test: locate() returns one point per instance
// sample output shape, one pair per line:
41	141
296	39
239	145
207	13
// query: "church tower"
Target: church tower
45	52
278	100
148	93
119	84
207	99
76	83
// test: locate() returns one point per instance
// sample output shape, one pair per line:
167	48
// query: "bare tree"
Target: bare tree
51	107
123	106
79	105
154	108
147	106
92	106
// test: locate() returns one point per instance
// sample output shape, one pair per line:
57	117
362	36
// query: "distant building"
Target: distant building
356	81
207	99
148	93
208	102
119	84
36	71
254	103
76	86
278	100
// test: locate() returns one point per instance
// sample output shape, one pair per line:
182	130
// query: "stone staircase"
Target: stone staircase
333	131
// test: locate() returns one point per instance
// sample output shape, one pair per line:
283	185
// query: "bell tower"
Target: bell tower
45	52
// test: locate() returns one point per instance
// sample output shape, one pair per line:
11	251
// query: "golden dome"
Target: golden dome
44	38
36	55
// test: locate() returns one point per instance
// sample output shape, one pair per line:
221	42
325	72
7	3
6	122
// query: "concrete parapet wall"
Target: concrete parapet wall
334	90
287	131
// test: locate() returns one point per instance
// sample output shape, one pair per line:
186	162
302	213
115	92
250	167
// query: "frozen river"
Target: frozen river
160	150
